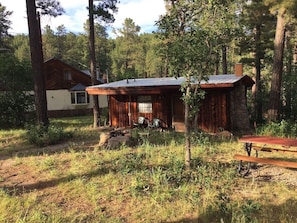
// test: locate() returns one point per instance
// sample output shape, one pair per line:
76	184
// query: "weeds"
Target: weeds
145	183
46	135
282	129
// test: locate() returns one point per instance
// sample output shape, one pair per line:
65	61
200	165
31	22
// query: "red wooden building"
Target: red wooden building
224	106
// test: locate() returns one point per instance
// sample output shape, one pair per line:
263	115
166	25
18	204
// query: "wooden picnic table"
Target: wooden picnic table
265	144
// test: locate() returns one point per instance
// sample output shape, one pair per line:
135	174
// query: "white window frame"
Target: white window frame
144	104
75	97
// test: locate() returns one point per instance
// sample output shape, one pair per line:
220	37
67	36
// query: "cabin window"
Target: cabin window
67	75
144	104
79	97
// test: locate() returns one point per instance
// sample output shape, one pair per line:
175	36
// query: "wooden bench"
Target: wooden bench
265	144
266	161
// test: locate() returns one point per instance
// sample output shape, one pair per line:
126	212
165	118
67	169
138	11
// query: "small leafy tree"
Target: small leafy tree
188	50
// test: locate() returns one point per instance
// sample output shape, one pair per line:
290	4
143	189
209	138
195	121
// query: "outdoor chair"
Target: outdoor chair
157	124
142	122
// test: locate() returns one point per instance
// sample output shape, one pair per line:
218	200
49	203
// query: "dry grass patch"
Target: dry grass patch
80	182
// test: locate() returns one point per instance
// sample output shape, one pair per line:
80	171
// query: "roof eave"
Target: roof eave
130	90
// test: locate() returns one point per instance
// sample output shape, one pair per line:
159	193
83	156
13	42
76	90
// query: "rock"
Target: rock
104	137
116	142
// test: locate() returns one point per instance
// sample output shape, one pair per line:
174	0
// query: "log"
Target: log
266	161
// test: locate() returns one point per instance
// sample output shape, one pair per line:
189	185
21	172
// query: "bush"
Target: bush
15	107
282	129
46	135
15	86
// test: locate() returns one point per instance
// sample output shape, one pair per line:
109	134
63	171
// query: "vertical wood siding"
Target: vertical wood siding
119	110
213	115
120	106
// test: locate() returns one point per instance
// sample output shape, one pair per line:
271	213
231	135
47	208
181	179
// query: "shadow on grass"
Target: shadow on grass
39	185
284	212
48	150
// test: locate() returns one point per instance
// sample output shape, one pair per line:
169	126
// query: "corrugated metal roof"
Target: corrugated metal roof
168	81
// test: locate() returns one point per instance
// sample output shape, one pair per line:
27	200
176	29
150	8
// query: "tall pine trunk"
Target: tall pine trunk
37	63
277	69
96	109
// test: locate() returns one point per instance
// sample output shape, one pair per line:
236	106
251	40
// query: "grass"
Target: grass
146	183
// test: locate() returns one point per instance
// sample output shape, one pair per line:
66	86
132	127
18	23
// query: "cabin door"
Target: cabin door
178	113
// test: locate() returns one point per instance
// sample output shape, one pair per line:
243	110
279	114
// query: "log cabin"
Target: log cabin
223	108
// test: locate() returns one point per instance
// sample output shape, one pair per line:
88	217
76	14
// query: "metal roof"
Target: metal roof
168	81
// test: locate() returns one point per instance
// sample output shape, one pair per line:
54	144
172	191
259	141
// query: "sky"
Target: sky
144	13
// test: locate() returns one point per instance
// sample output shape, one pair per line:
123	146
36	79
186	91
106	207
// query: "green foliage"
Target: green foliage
15	75
104	10
282	129
188	49
246	211
50	7
15	110
136	182
4	24
130	162
15	99
41	135
200	138
20	46
125	53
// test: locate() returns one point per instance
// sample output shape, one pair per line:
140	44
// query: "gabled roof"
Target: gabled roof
84	72
78	87
87	72
129	85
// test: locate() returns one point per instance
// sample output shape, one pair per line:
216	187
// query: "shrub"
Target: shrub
46	135
15	108
282	129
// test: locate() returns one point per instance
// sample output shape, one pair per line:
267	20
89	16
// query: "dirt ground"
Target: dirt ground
14	174
271	173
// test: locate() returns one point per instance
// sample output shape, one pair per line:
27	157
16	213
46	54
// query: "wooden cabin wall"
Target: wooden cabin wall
54	73
177	113
118	110
214	111
213	114
120	106
222	109
161	109
160	104
133	110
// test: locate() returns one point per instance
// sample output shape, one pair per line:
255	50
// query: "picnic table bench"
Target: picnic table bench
265	144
